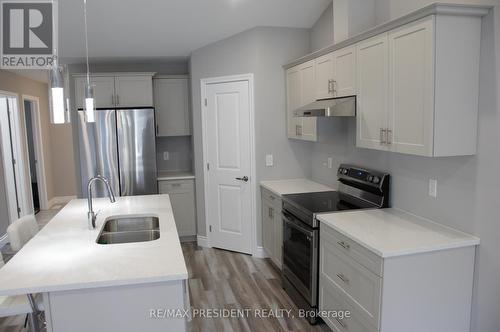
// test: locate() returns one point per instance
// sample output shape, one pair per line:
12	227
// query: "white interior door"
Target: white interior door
228	147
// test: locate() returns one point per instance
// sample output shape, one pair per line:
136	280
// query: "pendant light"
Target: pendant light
89	90
56	94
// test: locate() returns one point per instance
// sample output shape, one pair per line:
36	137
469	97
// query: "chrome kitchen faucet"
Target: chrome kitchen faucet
91	215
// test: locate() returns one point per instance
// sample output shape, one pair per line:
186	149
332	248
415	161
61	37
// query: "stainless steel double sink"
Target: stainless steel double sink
127	229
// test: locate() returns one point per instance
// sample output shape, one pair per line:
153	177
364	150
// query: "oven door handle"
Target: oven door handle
290	220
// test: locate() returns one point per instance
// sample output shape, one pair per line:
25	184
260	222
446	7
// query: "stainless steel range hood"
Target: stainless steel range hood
343	106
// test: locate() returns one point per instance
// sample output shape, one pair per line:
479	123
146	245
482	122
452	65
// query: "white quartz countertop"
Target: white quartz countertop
293	186
392	232
175	175
64	255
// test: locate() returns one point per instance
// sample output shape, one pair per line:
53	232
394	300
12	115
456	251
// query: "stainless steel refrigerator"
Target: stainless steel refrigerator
119	145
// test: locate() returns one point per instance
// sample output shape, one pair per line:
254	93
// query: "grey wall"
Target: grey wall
467	190
261	51
321	34
180	152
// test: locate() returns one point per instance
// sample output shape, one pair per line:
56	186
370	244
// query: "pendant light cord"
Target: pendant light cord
86	40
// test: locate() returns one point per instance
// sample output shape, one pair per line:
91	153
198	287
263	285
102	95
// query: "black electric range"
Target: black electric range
358	188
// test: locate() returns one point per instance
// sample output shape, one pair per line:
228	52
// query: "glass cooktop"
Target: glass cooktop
328	201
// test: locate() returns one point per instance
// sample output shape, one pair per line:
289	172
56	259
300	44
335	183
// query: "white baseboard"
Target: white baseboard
4	240
260	252
202	241
60	200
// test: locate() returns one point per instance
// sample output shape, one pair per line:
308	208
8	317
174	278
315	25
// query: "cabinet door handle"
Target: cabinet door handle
344	245
344	325
271	213
383	135
157	130
298	130
343	278
334	89
113	100
388	135
330	89
117	99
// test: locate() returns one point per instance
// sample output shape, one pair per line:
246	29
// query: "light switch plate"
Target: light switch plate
269	160
433	187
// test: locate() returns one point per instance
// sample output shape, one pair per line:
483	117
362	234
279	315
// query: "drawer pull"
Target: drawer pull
342	277
176	184
344	245
344	325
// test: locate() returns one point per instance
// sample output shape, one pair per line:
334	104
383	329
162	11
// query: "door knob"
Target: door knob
244	179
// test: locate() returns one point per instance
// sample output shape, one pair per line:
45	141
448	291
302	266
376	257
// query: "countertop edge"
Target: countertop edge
96	284
180	177
265	185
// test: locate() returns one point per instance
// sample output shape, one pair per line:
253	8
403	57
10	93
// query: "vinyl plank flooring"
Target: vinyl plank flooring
238	281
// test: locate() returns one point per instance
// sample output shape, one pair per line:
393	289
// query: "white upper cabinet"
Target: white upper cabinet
324	76
171	96
293	101
416	80
301	90
134	91
344	72
373	86
104	91
116	90
411	89
336	74
418	88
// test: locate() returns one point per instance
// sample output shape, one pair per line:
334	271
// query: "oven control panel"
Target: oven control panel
373	178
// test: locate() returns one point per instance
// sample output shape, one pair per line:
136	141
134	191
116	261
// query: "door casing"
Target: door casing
257	251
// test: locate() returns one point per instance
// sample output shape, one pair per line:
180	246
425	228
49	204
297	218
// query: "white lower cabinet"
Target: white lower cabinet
272	226
181	194
429	291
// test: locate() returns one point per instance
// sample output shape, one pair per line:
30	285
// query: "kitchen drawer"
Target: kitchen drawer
330	300
360	254
175	186
359	286
274	199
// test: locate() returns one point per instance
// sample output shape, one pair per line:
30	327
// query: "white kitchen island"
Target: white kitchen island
88	286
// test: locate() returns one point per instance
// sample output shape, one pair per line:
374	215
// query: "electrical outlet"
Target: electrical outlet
166	155
433	188
330	162
269	160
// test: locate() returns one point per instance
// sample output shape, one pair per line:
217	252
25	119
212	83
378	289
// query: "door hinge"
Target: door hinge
206	102
18	210
210	228
13	161
208	166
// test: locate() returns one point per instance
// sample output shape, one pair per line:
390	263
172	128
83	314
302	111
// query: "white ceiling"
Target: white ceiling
171	28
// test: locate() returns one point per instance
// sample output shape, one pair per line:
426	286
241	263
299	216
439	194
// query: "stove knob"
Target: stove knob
376	179
340	170
345	171
370	178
